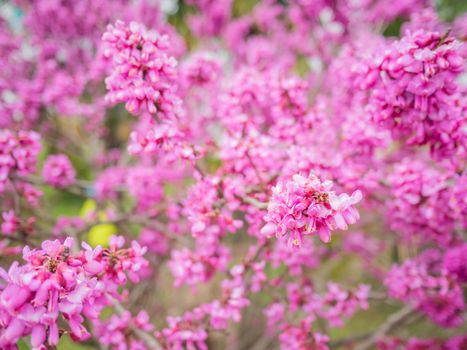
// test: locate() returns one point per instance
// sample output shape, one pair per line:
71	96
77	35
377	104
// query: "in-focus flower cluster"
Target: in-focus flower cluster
414	91
143	73
56	285
307	205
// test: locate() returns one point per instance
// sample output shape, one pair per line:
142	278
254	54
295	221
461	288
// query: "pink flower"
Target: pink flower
201	70
50	284
56	284
109	182
156	242
339	304
433	293
302	338
185	332
117	332
206	207
416	92
119	262
455	262
18	154
420	206
10	223
58	171
194	268
144	74
304	206
298	261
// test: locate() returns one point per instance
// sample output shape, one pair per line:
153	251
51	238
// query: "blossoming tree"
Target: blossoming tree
229	174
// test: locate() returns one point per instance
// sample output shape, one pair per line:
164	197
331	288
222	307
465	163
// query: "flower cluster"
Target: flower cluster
207	203
18	154
306	205
194	268
455	261
143	74
415	92
333	306
437	295
10	222
58	171
117	331
54	283
189	330
57	285
422	203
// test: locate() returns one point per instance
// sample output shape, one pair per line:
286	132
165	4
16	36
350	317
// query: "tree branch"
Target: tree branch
393	322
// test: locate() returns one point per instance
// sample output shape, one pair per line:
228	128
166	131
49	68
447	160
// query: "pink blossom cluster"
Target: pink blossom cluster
301	338
195	268
58	171
10	222
414	92
435	293
454	262
184	332
206	211
18	154
201	70
307	257
254	97
190	330
53	283
116	332
143	74
57	285
423	205
119	262
212	17
145	77
306	205
333	306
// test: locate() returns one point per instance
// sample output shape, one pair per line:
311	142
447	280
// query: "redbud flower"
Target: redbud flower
420	206
304	206
116	332
416	93
18	154
455	262
10	222
302	338
194	268
185	332
435	294
51	286
144	74
58	171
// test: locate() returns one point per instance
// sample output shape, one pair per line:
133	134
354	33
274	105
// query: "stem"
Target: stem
254	202
350	340
258	174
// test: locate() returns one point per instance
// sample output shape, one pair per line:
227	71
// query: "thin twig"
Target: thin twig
393	322
253	201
